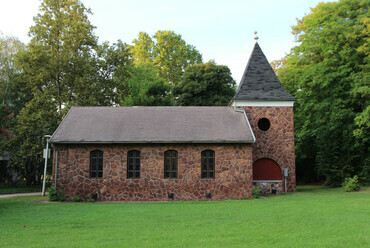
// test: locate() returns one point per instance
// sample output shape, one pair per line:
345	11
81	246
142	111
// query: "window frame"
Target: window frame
172	157
208	164
97	161
135	157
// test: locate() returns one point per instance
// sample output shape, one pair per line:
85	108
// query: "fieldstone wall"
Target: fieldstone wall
269	188
233	173
277	143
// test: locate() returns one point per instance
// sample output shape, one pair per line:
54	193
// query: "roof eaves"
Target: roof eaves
52	137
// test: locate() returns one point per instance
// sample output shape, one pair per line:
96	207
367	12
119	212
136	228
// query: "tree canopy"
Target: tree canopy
328	72
63	65
146	88
9	47
169	53
205	85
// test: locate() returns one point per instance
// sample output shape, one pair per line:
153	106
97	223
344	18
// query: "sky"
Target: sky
221	30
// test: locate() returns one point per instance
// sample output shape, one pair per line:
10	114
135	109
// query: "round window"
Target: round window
264	124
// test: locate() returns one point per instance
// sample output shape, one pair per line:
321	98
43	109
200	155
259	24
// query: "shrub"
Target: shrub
54	195
351	184
256	192
76	199
91	200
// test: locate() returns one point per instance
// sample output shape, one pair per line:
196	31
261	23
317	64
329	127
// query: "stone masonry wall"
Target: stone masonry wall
277	143
233	173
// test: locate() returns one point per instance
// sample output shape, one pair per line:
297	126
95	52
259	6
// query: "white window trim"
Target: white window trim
245	103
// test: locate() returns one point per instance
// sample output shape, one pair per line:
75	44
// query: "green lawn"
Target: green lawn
311	217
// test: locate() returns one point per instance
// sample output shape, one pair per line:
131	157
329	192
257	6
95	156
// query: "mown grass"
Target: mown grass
311	217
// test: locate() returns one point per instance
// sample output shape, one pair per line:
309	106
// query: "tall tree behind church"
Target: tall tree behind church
59	69
58	59
328	72
168	51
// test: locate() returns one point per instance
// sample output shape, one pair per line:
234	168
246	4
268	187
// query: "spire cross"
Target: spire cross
255	36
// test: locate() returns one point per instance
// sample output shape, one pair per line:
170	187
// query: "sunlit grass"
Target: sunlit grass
311	217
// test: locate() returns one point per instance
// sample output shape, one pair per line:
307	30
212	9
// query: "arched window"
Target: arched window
96	164
170	164
133	164
208	164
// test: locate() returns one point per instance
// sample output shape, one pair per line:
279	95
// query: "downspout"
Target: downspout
56	165
246	118
56	168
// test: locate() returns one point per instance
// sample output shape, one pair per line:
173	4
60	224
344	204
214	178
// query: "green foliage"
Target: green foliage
38	118
9	47
169	53
205	85
142	49
256	192
112	66
328	72
351	184
55	196
91	200
76	198
62	66
146	88
58	58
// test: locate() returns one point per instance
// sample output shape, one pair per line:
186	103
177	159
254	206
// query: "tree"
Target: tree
169	53
9	47
142	49
205	85
57	61
146	88
38	118
328	72
59	70
112	65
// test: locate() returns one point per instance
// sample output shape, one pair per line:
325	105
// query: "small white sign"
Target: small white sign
46	152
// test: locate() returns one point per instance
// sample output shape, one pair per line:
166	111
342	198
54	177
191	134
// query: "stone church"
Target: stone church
181	153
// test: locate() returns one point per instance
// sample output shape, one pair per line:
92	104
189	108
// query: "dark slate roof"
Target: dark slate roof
153	125
259	81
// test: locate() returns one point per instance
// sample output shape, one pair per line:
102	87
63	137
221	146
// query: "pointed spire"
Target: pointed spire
259	82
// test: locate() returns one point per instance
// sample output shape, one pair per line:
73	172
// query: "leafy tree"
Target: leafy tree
112	65
58	57
205	85
142	49
328	72
58	71
168	51
9	47
146	88
5	117
38	118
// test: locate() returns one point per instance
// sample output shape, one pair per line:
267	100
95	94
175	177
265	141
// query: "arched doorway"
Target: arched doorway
267	175
266	169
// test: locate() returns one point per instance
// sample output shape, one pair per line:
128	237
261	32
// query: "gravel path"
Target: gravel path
20	194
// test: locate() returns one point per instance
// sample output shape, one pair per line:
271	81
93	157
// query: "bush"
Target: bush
351	184
256	192
76	199
91	200
55	196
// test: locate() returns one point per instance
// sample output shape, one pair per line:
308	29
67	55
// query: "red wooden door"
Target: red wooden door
266	169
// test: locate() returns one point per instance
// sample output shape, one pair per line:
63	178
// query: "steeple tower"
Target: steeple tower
259	82
269	108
